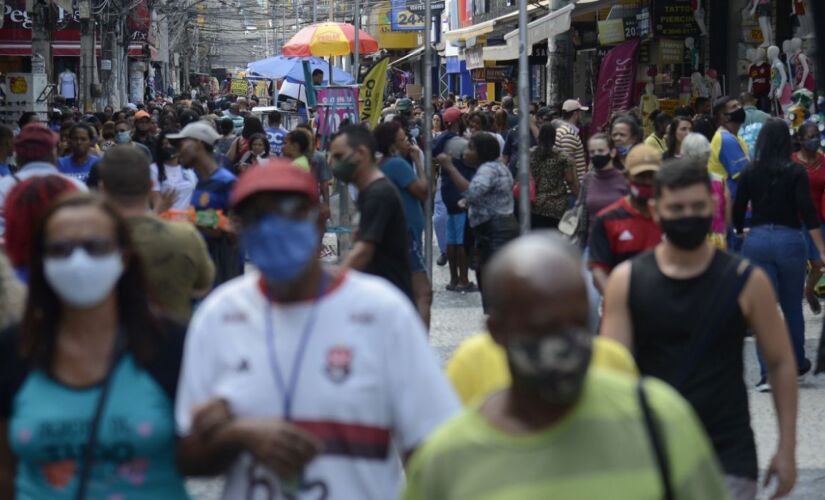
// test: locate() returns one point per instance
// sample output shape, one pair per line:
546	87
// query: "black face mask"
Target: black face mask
687	233
737	116
168	153
600	161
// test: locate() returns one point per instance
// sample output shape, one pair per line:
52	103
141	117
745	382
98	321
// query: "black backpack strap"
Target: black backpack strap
711	322
656	441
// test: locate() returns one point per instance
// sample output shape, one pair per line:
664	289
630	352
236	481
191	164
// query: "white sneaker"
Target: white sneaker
763	386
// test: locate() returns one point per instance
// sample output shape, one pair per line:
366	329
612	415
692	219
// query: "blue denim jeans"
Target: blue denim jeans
782	253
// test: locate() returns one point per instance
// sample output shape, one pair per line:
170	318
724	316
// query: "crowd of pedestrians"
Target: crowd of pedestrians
166	315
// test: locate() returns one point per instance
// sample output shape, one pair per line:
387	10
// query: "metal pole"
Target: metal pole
314	11
524	124
428	136
357	42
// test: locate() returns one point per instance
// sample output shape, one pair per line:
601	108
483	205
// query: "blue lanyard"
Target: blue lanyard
288	389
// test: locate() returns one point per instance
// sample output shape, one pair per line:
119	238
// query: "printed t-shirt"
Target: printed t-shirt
213	194
600	449
178	179
620	232
402	175
382	222
728	157
67	166
49	421
368	385
760	75
275	136
479	365
175	261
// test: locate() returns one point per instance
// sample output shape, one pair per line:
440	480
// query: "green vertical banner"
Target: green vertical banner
312	100
372	92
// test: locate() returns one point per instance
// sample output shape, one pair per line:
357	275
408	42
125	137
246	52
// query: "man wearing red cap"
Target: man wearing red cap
143	134
301	380
36	156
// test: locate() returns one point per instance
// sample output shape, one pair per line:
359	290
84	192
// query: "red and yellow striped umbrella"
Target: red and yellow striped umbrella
329	39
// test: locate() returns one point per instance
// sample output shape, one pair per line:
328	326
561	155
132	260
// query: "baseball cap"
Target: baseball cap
643	158
35	140
142	114
404	104
277	175
450	116
573	105
199	130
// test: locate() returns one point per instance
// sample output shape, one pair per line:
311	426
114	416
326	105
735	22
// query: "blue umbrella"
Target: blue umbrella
290	67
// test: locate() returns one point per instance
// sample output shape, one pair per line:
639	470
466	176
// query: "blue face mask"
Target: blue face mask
281	248
122	137
623	150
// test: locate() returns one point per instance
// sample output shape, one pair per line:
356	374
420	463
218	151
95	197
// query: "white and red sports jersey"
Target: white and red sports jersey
368	384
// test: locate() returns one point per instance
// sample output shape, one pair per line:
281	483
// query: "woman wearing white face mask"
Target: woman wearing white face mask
88	380
172	184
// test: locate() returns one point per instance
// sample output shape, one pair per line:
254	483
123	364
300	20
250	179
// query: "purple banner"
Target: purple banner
617	80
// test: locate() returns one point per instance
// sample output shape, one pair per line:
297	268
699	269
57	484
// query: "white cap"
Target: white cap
200	130
573	105
132	106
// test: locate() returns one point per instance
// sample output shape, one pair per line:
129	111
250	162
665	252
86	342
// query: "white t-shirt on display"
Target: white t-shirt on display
68	85
368	384
179	179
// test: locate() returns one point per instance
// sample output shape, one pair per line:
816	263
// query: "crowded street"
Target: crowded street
412	249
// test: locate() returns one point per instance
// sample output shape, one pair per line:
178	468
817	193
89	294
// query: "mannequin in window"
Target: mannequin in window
759	82
67	82
763	9
803	77
803	17
712	82
780	86
699	15
692	53
649	104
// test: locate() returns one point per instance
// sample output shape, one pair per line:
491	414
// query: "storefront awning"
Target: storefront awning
15	49
590	6
412	56
72	49
549	26
476	30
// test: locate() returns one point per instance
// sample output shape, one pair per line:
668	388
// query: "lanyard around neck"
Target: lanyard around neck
288	387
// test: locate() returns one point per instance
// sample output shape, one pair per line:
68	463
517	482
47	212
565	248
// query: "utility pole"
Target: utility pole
87	54
524	124
40	13
357	61
428	136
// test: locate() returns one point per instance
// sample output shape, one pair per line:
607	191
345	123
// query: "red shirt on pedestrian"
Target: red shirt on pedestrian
620	232
816	179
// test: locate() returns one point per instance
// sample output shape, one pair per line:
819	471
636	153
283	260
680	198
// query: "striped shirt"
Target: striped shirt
601	449
569	142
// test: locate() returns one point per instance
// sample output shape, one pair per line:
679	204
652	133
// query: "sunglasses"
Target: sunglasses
96	247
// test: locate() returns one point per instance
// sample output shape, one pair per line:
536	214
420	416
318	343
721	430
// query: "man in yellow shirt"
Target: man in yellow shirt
560	429
479	365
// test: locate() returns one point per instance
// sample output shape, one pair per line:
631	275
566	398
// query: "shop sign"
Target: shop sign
478	74
615	31
617	81
498	73
239	87
611	32
417	6
674	18
390	39
474	57
403	19
671	51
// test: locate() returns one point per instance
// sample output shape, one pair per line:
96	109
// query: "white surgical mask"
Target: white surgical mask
82	280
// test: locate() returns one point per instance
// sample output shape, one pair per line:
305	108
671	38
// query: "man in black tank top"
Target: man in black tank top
684	308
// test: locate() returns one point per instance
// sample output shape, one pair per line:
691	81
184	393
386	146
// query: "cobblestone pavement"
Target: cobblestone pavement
456	316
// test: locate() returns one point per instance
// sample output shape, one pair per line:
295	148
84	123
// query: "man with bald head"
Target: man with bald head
559	429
